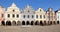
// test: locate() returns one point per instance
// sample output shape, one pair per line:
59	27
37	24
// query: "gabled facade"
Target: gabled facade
12	15
51	16
27	15
40	17
2	11
58	16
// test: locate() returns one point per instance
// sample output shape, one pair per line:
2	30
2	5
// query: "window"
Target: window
40	16
28	10
44	16
24	16
2	15
48	16
13	15
8	15
28	16
58	17
17	15
32	16
40	9
36	16
13	10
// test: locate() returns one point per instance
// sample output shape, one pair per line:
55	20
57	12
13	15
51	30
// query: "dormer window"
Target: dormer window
13	10
40	9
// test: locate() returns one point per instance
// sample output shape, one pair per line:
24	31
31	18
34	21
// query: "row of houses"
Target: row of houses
14	16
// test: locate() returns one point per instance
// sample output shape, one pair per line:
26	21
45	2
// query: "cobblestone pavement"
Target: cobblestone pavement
51	28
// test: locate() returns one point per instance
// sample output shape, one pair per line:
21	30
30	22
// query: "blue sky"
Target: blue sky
45	4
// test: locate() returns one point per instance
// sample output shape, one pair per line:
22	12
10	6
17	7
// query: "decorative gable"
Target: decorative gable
13	8
1	9
50	9
28	9
40	10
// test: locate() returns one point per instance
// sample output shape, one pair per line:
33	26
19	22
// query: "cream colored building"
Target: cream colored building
40	17
12	15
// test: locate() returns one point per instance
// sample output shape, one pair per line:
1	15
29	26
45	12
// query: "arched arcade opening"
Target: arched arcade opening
23	22
27	23
2	23
13	23
37	23
32	22
18	23
8	22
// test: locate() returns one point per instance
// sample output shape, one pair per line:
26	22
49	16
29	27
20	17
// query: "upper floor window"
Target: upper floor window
8	15
44	16
40	9
17	15
13	15
24	16
32	16
40	16
13	10
36	16
48	16
2	15
28	16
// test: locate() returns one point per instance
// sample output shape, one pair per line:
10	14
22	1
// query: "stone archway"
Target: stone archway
8	22
13	23
18	23
37	23
57	22
23	22
2	23
27	23
41	23
32	22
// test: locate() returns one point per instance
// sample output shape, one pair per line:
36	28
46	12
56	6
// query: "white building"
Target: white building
27	16
58	16
12	15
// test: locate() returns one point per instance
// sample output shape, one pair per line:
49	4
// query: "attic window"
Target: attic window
40	9
13	10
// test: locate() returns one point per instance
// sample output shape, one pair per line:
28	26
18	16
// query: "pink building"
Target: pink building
2	16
